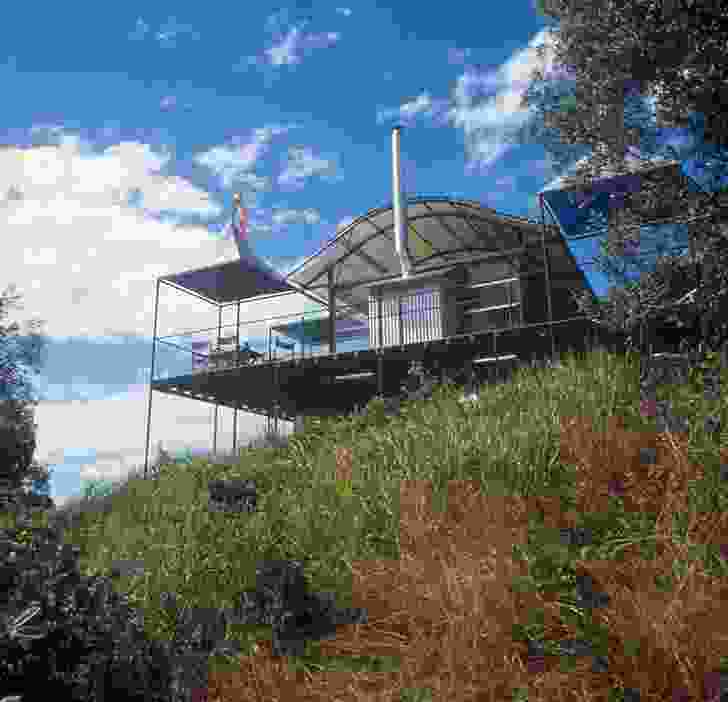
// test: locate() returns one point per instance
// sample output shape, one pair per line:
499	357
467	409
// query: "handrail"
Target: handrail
427	328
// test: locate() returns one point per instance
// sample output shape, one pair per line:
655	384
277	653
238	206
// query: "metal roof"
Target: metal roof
230	281
441	231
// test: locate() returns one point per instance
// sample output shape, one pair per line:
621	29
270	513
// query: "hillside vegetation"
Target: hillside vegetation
548	541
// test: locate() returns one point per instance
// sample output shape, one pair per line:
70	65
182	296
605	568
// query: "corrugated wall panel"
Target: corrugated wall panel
408	316
421	315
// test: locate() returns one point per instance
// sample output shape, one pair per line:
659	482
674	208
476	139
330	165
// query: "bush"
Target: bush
68	635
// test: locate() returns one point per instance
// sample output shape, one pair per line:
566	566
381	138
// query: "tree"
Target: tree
624	76
17	427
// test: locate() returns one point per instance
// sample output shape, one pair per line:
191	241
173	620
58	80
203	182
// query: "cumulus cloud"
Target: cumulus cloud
308	216
167	36
235	163
291	48
484	104
422	106
289	44
302	164
85	221
91	231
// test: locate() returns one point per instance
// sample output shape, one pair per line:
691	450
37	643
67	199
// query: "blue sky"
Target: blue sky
123	139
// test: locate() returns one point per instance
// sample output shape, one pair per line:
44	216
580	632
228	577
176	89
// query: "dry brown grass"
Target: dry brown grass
447	608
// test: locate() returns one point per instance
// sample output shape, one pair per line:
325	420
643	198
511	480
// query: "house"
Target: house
431	279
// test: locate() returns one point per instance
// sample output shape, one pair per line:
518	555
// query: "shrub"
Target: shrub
66	634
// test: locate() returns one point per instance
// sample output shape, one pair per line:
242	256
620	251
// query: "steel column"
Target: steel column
237	358
268	425
548	280
219	331
277	396
332	312
151	378
380	369
379	318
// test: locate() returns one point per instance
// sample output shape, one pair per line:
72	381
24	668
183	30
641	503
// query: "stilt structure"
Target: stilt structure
441	281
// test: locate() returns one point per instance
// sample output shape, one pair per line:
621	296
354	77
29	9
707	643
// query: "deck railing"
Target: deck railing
252	342
286	337
416	318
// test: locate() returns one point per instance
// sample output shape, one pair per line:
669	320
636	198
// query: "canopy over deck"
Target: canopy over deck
441	231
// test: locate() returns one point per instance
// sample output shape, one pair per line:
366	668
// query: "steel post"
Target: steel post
151	378
219	331
332	312
237	357
380	373
548	280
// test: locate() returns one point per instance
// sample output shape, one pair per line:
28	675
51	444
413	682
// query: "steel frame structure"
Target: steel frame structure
224	386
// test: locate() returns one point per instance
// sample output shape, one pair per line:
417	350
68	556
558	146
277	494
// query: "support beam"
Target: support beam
277	397
332	312
237	355
380	374
489	256
219	331
151	378
548	280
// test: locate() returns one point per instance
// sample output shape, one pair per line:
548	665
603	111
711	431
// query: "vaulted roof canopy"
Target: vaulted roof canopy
441	231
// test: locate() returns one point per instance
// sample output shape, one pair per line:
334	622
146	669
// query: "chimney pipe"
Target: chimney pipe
400	209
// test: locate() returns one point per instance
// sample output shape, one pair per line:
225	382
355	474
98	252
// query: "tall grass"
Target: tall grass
445	522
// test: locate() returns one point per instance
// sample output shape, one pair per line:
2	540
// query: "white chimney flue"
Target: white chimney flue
400	209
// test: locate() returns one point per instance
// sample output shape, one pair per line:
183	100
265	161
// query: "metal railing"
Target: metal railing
253	342
407	322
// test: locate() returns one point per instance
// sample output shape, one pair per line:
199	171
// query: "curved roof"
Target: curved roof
440	231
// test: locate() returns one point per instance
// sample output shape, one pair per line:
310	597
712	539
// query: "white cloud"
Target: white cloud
308	216
168	34
289	47
73	220
84	261
485	105
344	11
118	428
235	163
302	164
422	105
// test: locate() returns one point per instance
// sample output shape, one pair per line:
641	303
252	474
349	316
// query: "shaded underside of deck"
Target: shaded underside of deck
312	386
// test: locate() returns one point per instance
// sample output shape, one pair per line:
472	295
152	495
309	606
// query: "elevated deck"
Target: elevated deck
324	384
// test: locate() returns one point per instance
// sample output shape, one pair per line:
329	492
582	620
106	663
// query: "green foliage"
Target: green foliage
17	428
509	438
617	57
97	488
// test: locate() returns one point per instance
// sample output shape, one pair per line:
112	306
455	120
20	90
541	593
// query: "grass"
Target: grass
443	522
